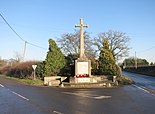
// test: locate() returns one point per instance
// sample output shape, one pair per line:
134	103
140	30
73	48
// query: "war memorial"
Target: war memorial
83	77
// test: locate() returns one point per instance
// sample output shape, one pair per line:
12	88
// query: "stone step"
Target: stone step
88	85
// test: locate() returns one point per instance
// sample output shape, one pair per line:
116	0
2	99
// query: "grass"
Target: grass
36	82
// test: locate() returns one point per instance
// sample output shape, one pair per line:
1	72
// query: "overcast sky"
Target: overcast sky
38	20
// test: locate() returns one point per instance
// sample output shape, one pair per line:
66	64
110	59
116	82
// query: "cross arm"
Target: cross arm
77	25
85	25
81	25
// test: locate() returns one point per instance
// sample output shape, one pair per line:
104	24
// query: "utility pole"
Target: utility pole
135	60
24	50
124	64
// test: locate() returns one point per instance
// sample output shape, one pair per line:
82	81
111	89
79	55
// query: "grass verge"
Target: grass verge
36	82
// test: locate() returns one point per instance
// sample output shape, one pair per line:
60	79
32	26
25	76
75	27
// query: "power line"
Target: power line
147	49
36	46
19	35
12	28
24	50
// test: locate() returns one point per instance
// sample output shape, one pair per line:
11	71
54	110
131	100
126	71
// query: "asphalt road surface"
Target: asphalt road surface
16	98
147	83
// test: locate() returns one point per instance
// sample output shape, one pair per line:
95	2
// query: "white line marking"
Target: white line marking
102	97
57	112
78	94
20	95
1	85
16	93
88	95
141	88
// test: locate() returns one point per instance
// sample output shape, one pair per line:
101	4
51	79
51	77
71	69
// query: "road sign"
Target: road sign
34	68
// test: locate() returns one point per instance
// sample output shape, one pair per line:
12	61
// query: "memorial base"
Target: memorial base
82	68
89	82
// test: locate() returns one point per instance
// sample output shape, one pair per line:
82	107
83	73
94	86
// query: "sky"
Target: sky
38	20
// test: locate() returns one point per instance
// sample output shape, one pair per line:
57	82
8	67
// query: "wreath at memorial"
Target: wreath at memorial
82	75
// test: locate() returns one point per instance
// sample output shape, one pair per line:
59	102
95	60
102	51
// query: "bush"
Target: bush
54	62
4	70
107	63
125	80
22	70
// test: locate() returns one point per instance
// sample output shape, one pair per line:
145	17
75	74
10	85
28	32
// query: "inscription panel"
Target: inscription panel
82	67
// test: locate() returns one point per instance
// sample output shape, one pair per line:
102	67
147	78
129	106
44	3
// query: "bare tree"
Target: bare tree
17	56
119	43
70	43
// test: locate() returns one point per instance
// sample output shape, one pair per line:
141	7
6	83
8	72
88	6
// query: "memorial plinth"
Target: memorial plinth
82	70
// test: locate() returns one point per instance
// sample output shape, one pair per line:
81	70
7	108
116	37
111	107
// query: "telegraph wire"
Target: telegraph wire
19	35
37	46
147	49
45	48
143	51
12	28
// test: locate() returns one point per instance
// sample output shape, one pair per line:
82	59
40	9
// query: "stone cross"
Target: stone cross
81	25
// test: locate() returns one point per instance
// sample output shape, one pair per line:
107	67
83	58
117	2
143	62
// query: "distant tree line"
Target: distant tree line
132	62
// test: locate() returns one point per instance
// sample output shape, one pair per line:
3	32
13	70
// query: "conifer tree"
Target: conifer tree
106	60
54	61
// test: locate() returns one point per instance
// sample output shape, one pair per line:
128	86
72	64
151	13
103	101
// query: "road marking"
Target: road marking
56	112
16	93
79	94
102	97
20	95
1	85
141	88
88	95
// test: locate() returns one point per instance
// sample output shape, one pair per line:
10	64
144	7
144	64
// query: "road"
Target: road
142	81
16	98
